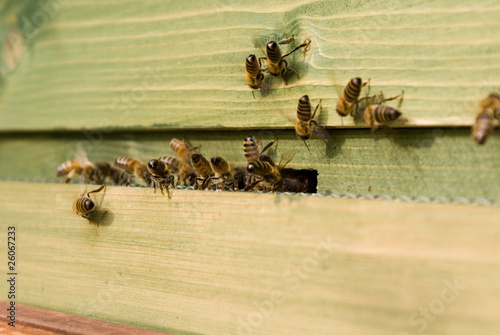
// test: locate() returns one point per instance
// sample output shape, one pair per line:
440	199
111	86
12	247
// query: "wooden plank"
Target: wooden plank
158	65
239	263
430	163
37	321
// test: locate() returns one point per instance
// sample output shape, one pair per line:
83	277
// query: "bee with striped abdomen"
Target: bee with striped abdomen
275	60
251	148
224	174
294	185
378	113
305	126
103	170
184	172
79	166
183	149
134	168
269	173
489	108
203	169
348	99
161	175
86	207
255	74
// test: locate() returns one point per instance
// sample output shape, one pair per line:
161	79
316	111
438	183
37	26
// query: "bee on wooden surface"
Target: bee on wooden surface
251	148
255	74
161	175
86	207
184	172
203	169
134	168
269	173
378	113
305	126
224	174
489	108
348	99
275	60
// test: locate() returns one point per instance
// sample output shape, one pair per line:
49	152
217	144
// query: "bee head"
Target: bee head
153	164
88	205
251	167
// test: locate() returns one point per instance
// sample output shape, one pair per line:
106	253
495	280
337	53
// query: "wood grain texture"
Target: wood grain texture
163	65
239	263
398	162
36	321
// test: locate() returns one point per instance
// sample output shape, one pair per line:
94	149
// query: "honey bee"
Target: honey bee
251	148
255	74
294	185
183	149
86	207
185	173
224	173
134	168
161	175
377	114
80	166
71	168
103	170
276	63
489	108
305	126
269	173
348	100
203	169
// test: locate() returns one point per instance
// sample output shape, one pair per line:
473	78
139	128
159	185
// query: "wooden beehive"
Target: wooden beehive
402	214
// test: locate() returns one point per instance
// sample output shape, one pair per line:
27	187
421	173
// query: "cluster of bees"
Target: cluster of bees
189	168
375	114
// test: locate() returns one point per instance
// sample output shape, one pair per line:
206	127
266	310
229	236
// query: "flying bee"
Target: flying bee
377	114
224	173
269	173
251	148
255	74
183	149
203	169
185	173
80	166
275	60
86	207
489	108
161	175
348	100
134	168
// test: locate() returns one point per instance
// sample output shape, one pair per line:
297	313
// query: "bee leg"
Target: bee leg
320	101
70	176
286	40
96	190
305	45
289	68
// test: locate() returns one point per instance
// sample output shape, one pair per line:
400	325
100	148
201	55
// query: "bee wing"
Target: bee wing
81	155
320	132
285	159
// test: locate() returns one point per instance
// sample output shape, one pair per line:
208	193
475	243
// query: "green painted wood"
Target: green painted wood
125	64
240	263
397	162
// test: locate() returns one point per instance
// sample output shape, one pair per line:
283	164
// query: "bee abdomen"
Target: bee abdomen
293	185
260	168
273	52
83	205
352	90
252	66
201	165
304	109
219	165
384	113
65	167
483	126
173	163
250	149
